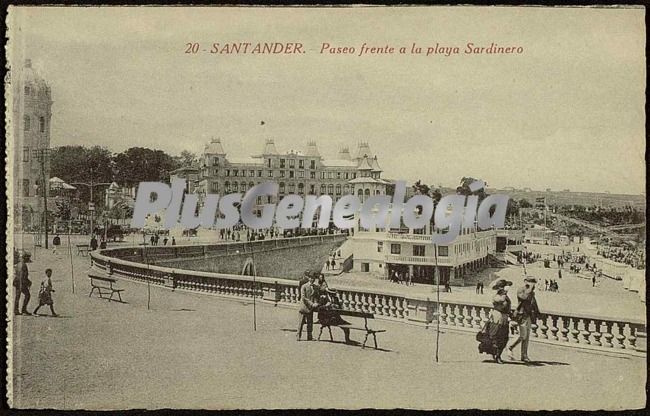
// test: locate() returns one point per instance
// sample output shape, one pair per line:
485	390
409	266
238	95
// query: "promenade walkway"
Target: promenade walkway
199	351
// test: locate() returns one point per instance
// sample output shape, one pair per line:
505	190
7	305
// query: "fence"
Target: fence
585	331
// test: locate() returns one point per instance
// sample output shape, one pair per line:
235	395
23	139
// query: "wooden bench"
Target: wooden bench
364	328
83	249
100	281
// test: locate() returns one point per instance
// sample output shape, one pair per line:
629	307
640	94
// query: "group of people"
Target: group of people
22	287
494	336
316	296
402	278
627	255
155	239
479	288
330	263
551	285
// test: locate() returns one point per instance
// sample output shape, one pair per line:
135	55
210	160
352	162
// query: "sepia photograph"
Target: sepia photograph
414	207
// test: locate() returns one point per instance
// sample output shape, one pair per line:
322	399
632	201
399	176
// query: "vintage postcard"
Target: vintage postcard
326	207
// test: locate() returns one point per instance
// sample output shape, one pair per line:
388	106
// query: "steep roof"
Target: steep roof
269	148
214	147
312	150
364	164
375	164
344	154
364	150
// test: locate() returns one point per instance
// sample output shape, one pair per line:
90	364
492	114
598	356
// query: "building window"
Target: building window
259	173
268	163
235	187
41	124
282	174
330	175
227	172
292	188
312	175
270	174
347	175
301	174
338	189
380	246
251	173
312	164
301	188
27	90
338	175
346	189
215	187
26	154
226	186
323	189
301	164
395	249
25	187
322	175
365	267
281	163
418	250
330	189
443	251
235	172
215	161
281	187
312	189
292	163
27	123
354	175
291	174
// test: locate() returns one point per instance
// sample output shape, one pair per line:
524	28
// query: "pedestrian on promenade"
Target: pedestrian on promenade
482	285
333	264
478	287
152	240
93	243
327	265
525	314
593	280
165	240
493	338
447	287
410	278
156	238
45	293
21	285
173	241
545	284
306	312
559	273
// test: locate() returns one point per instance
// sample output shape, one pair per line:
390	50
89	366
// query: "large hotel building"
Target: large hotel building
296	172
380	252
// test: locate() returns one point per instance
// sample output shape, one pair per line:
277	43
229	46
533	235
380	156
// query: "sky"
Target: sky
567	113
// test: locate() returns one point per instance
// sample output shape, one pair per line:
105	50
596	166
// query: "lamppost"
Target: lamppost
91	185
42	155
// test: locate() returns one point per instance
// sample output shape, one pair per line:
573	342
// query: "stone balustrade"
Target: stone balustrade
593	332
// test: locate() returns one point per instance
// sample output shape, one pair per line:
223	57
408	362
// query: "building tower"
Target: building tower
31	116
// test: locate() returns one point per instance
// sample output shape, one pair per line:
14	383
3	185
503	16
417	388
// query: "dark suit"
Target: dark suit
527	312
306	315
22	284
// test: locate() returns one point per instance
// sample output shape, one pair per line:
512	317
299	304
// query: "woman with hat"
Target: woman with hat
327	314
493	337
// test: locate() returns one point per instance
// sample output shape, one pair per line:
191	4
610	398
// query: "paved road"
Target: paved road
199	351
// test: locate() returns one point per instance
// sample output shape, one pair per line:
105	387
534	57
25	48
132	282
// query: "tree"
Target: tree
421	188
464	188
81	164
139	164
186	158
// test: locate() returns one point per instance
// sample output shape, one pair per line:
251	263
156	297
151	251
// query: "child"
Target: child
45	294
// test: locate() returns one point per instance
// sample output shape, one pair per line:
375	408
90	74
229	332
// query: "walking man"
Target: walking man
21	285
525	314
306	312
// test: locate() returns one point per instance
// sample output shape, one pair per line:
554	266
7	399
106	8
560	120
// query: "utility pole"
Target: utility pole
41	155
91	185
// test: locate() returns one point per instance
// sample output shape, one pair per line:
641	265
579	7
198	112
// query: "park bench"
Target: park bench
100	281
83	249
364	328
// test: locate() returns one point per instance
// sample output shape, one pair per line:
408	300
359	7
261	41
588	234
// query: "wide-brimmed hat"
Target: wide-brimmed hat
530	280
501	283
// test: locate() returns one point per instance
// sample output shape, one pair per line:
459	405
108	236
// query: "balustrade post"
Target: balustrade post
574	331
543	327
597	334
452	315
621	336
565	329
609	334
632	338
554	328
585	331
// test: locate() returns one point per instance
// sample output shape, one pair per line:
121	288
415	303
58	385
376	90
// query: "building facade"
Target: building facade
296	172
382	252
31	116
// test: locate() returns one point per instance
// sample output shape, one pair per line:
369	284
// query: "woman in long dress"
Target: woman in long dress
328	316
494	336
